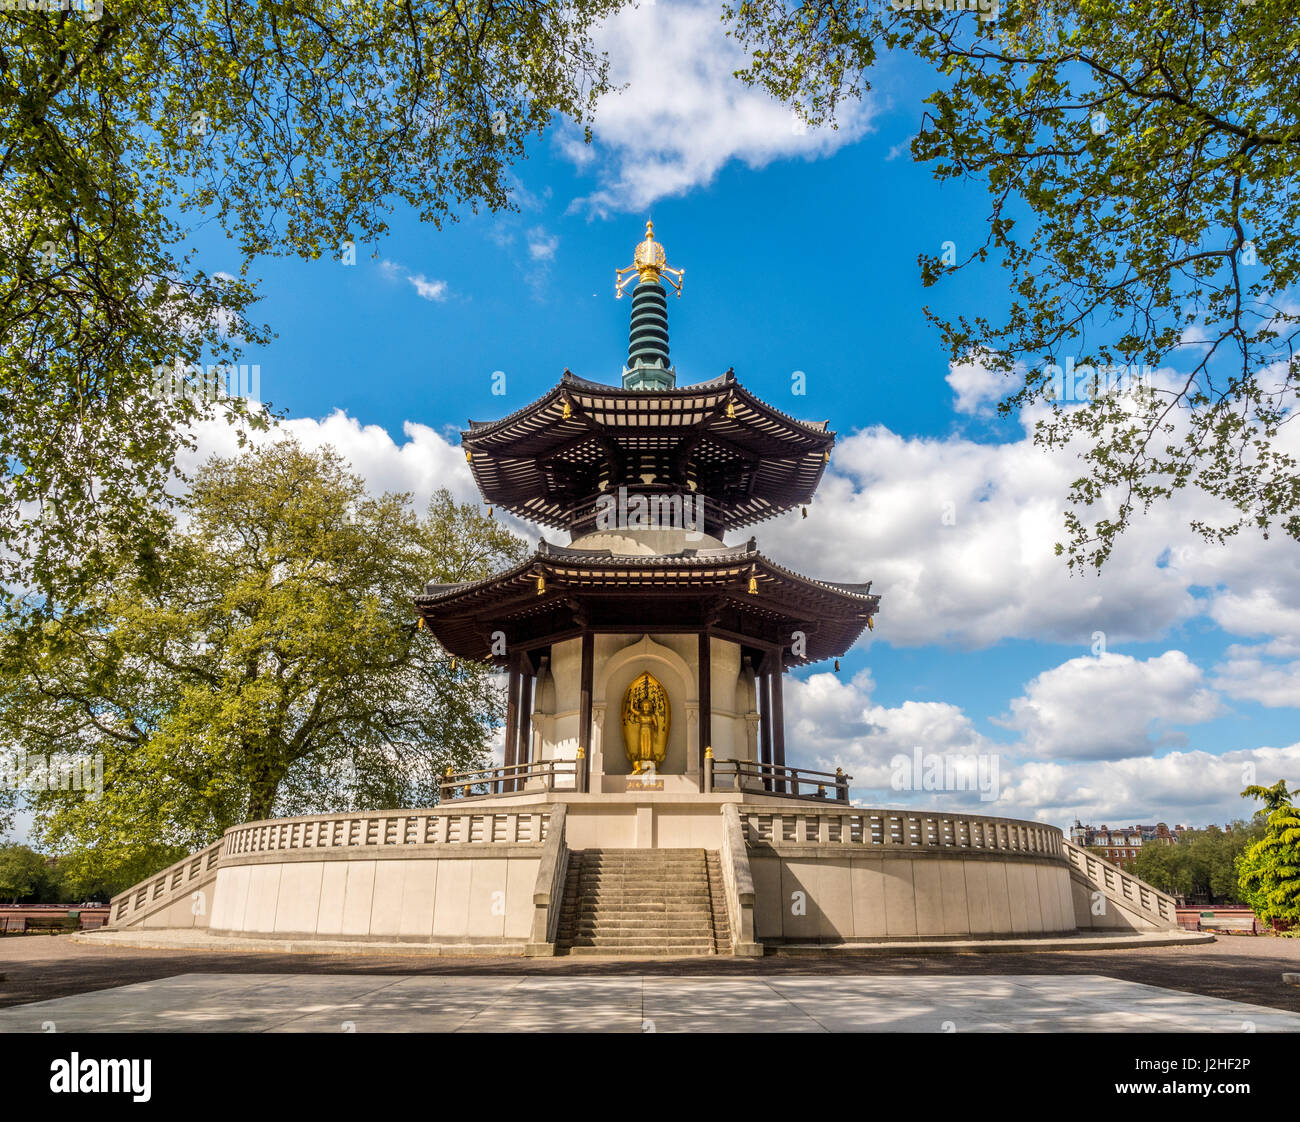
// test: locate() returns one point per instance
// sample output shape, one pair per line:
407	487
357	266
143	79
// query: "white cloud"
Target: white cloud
977	385
849	730
1246	674
682	115
421	464
429	290
833	722
1111	706
541	245
959	538
1188	788
902	148
426	288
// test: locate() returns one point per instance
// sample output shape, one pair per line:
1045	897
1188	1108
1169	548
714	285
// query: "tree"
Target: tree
295	127
1141	158
1269	870
22	871
266	663
1200	863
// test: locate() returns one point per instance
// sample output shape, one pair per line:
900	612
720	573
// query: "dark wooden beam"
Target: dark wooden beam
778	715
513	678
706	701
524	749
764	715
584	699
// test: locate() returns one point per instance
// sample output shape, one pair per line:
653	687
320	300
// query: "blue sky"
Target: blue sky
800	253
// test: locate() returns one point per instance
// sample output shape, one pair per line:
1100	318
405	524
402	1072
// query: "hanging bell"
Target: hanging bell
489	512
541	584
837	666
568	410
453	665
731	409
469	456
753	586
419	624
805	511
871	623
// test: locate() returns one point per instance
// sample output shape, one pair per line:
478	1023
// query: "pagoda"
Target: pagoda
644	805
646	654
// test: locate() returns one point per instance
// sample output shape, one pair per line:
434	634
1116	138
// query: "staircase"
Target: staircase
643	902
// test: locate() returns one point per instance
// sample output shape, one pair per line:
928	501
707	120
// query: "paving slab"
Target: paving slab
335	1003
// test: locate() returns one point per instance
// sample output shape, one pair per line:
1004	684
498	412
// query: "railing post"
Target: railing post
708	770
841	786
580	771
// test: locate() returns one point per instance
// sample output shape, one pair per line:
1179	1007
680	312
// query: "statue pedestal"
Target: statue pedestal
639	783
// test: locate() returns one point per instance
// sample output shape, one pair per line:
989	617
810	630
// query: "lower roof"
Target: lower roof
560	592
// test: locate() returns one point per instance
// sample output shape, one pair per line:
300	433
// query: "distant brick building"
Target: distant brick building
1122	844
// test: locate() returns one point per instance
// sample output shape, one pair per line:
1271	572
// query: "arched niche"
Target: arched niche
678	678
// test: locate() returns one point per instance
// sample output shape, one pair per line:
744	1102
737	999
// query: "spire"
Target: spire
648	366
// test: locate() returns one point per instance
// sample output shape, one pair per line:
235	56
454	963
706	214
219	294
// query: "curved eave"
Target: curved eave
517	461
550	406
834	614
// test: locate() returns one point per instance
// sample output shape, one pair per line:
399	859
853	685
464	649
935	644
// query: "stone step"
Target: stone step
641	940
642	902
643	908
645	950
633	897
642	931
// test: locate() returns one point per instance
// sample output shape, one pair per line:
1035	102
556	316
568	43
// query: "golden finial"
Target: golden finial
649	265
708	752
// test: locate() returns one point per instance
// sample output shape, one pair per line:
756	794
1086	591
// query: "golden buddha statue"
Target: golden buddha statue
646	715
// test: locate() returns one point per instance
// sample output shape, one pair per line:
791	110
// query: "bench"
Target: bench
52	924
1232	925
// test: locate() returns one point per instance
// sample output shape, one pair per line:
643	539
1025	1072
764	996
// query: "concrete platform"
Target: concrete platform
792	1003
198	940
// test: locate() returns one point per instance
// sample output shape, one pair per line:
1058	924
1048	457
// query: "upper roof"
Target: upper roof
551	460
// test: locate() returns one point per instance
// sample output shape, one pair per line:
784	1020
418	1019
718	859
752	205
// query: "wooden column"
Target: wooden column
524	747
705	672
584	707
778	715
764	684
512	711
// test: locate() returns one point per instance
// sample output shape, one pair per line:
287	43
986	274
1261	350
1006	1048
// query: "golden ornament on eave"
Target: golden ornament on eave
646	715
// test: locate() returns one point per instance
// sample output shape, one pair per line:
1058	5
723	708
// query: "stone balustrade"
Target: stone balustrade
526	826
891	829
163	889
1120	888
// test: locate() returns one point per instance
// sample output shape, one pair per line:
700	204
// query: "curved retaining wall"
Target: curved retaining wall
492	875
839	875
458	877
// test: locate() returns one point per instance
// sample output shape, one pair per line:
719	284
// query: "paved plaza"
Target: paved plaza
638	1003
